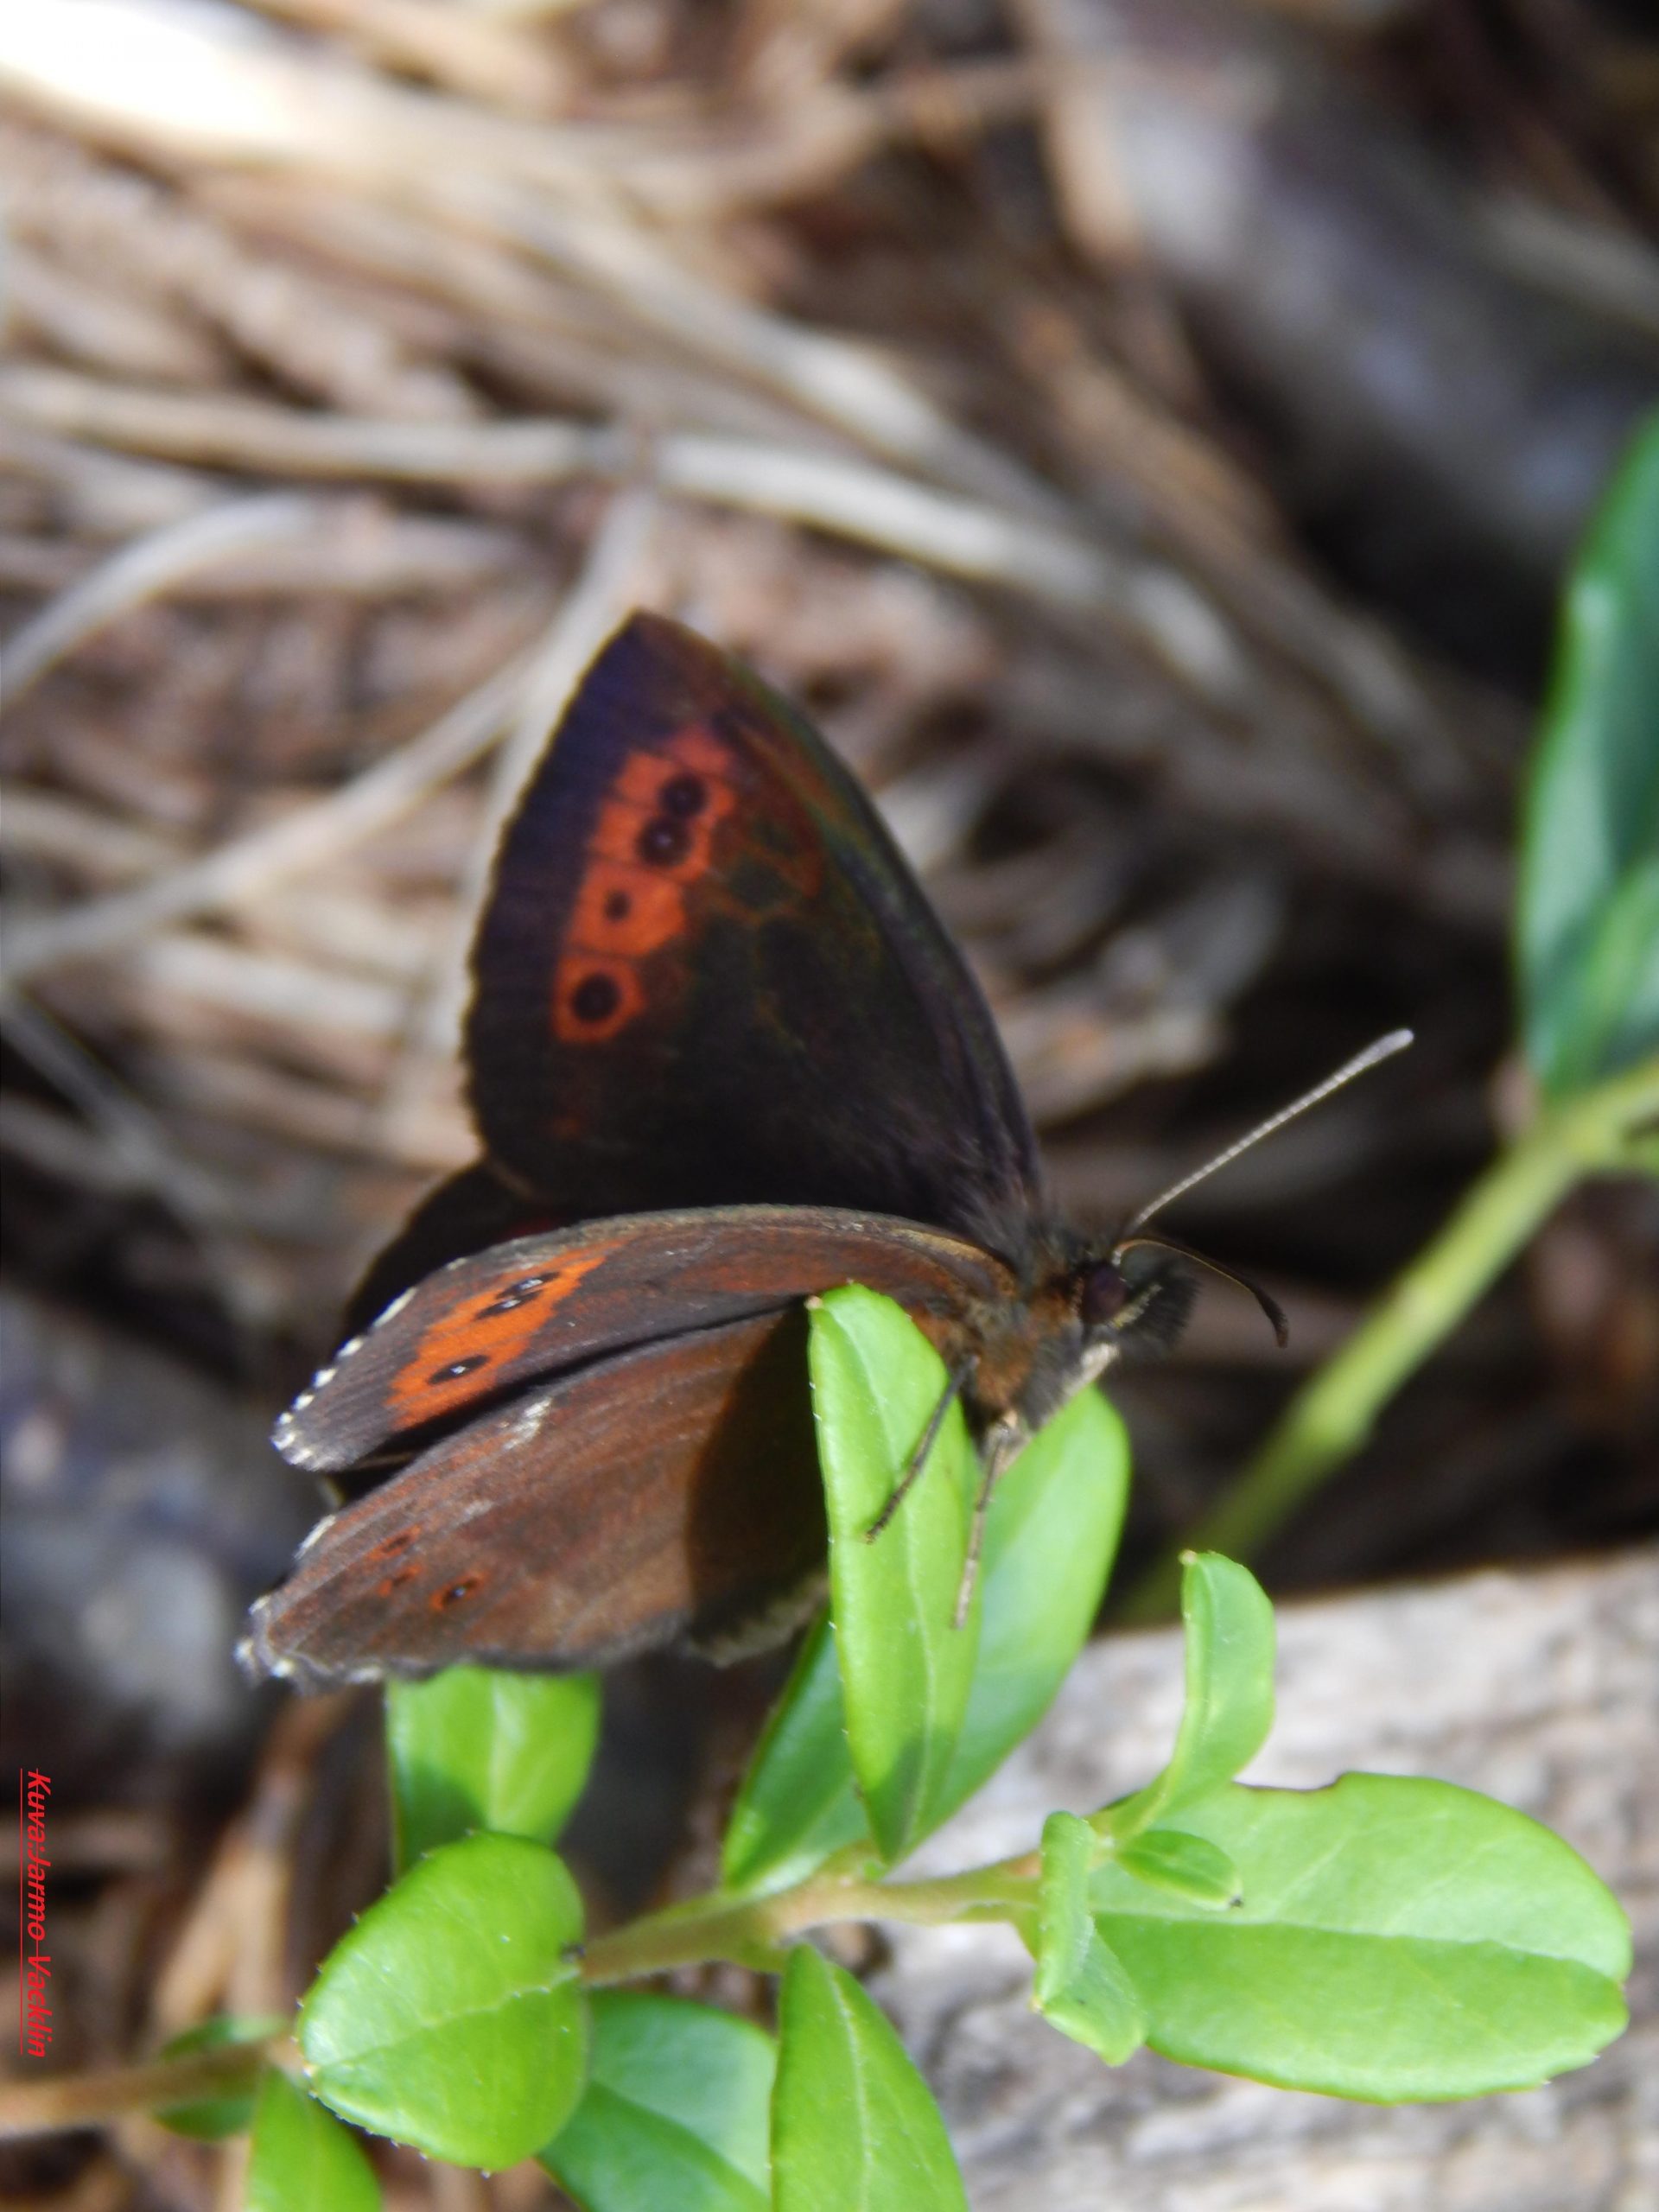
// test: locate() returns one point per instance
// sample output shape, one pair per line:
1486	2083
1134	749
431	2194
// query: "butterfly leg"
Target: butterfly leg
956	1384
1002	1442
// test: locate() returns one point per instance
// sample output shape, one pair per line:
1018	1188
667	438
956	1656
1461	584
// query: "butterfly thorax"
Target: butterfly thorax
1080	1304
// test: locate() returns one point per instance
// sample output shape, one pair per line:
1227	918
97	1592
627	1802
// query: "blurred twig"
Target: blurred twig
138	572
301	842
86	2099
964	537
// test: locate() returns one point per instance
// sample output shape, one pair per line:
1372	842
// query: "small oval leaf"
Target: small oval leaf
676	2111
852	2123
208	2118
1080	1987
1228	1710
799	1801
450	2017
906	1668
1395	1941
476	1747
1050	1536
1050	1539
302	2157
1187	1865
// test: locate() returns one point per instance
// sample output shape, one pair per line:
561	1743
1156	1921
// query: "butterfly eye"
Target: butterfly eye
1104	1295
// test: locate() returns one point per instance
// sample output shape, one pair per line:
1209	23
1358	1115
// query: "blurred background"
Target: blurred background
1147	435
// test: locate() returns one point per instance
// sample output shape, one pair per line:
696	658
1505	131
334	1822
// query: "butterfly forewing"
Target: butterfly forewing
503	1317
671	1491
706	976
705	981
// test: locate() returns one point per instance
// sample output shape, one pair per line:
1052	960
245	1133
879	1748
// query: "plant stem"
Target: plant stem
1331	1416
89	2100
717	1926
748	1929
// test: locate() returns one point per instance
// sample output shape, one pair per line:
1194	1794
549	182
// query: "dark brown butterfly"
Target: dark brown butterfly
722	1056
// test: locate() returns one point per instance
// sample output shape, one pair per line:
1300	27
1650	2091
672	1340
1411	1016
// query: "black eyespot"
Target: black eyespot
1103	1296
457	1367
515	1295
618	906
663	841
456	1592
684	796
595	998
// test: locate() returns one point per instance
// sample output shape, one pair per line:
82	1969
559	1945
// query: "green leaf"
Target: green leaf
676	2111
1049	1538
1588	914
904	1668
1185	1865
852	2124
207	2118
1395	1940
302	2157
798	1802
1080	1987
450	2017
476	1748
1228	1710
1619	977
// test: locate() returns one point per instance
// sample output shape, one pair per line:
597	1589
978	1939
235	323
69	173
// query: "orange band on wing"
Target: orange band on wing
460	1353
625	911
643	832
653	835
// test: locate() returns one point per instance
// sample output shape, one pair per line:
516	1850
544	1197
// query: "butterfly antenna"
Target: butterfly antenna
1383	1049
1270	1307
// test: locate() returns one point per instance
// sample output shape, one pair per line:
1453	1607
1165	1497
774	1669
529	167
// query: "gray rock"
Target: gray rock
1540	1689
142	1506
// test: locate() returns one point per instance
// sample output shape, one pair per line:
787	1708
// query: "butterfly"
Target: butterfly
722	1056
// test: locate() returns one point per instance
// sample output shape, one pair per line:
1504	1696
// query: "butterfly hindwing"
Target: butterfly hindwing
705	975
504	1318
669	1492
